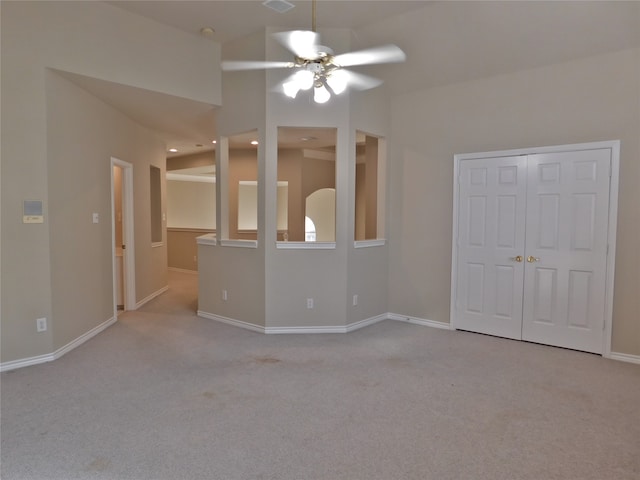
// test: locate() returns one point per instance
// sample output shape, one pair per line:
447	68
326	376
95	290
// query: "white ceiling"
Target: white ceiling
445	42
233	19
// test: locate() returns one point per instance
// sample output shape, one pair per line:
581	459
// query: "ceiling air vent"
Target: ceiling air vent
279	6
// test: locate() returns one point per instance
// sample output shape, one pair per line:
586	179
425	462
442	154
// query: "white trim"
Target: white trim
624	357
239	243
182	270
27	362
420	321
295	330
611	246
366	322
306	245
148	298
207	239
302	330
129	263
614	146
156	244
380	242
329	328
231	321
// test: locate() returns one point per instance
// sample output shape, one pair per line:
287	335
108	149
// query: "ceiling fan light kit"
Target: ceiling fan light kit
280	6
317	66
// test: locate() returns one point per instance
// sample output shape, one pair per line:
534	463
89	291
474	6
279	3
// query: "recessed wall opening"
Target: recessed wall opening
242	198
307	163
368	190
155	189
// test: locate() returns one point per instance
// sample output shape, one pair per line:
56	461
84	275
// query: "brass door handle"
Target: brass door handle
532	259
517	259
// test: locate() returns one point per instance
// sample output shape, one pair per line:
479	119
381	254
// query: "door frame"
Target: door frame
614	174
128	236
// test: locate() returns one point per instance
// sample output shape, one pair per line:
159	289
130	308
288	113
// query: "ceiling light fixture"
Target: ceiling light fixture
280	6
254	142
316	65
207	31
173	150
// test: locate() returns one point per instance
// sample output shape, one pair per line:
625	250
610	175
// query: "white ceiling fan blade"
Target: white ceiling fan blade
360	81
235	65
303	43
383	54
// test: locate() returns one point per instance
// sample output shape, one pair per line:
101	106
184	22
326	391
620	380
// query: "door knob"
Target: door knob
532	259
517	259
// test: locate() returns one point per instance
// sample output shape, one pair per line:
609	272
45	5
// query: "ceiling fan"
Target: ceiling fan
316	66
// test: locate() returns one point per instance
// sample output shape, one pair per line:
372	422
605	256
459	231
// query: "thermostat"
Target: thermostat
32	211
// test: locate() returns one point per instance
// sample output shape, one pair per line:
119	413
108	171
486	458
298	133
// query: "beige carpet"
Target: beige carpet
164	394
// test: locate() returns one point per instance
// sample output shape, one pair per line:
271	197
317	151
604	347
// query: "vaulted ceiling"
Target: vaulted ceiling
445	42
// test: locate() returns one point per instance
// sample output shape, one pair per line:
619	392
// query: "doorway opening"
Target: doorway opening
124	296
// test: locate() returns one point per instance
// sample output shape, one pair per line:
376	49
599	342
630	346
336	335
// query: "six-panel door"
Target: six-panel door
566	241
491	223
531	247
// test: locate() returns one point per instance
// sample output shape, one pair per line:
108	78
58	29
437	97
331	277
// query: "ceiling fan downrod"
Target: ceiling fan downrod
313	15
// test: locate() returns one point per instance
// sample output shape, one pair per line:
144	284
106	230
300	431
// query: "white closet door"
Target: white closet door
491	222
566	249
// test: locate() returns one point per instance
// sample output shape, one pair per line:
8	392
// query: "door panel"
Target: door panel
544	295
490	235
566	241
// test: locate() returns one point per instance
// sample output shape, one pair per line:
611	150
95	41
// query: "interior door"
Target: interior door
491	226
532	234
566	249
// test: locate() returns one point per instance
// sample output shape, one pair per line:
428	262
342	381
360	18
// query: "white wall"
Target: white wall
592	99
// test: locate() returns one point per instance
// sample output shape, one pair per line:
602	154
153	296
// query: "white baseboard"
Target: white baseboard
231	321
148	298
294	330
366	322
625	357
419	321
27	362
329	328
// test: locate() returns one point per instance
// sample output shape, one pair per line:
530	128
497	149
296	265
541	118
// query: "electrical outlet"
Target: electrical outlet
355	300
41	324
224	295
309	303
195	258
